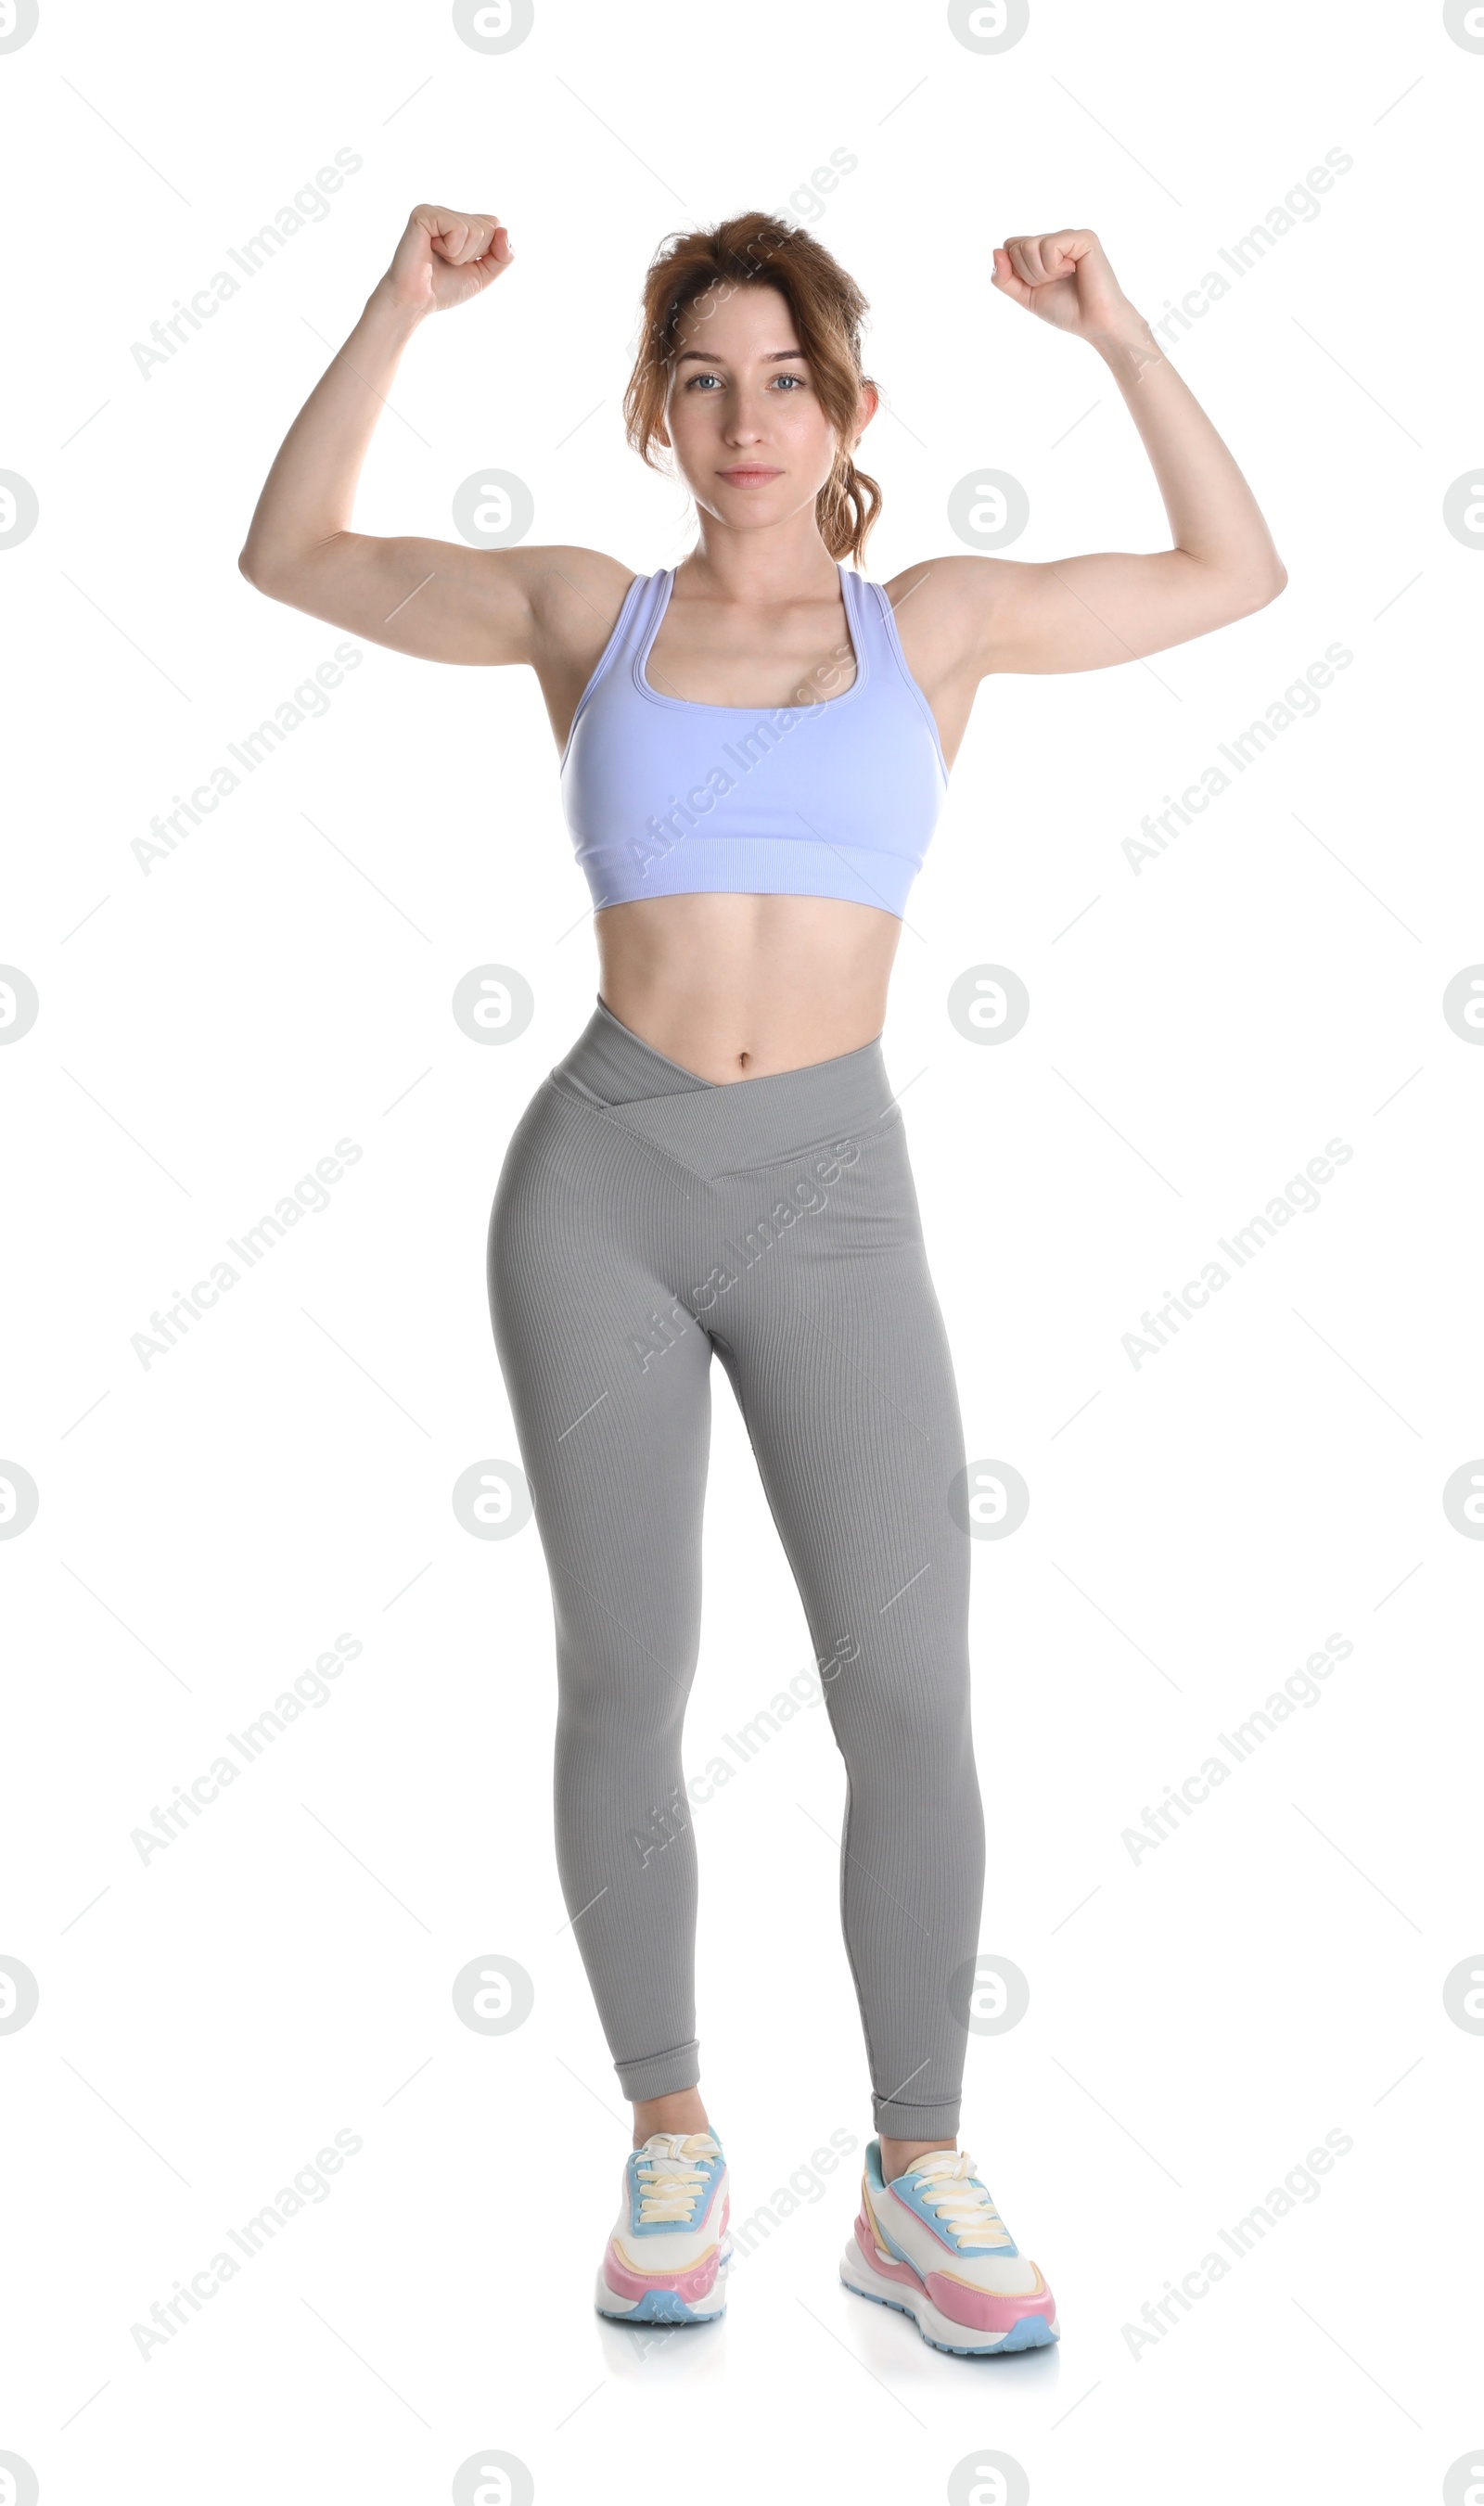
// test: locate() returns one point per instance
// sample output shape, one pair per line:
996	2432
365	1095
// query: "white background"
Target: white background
1198	1031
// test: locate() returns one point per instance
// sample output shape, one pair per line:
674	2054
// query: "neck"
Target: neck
789	562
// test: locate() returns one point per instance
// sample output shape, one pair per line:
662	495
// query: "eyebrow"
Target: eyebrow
707	357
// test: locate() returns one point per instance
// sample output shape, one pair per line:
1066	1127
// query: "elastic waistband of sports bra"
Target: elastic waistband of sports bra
717	1127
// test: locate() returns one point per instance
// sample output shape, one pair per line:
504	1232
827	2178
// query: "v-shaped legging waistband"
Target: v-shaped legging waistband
719	1126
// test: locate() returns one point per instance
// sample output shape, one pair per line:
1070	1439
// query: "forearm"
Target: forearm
1212	513
309	492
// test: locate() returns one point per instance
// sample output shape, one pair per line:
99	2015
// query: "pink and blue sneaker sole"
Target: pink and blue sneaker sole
1006	2323
698	2296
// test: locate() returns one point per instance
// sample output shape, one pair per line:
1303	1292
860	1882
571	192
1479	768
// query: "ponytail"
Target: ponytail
847	509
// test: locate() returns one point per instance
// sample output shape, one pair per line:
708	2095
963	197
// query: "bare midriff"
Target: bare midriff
741	986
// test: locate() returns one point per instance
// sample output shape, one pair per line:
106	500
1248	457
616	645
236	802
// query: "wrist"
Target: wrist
1127	346
392	310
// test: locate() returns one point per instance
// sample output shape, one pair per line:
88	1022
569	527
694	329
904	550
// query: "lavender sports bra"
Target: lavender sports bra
835	798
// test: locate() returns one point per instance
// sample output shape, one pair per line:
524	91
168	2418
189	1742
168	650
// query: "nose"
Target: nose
745	418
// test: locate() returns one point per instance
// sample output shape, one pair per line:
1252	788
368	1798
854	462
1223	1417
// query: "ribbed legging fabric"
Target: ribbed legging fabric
643	1219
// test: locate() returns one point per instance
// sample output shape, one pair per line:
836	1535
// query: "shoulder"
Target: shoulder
946	610
575	595
949	587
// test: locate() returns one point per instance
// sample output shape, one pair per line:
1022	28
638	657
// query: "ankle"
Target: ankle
681	2111
899	2156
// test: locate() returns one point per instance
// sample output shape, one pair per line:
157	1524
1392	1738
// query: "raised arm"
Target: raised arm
553	607
978	614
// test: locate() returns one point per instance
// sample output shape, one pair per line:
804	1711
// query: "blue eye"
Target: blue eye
695	382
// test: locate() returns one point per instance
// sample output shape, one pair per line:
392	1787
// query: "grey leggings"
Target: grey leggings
644	1218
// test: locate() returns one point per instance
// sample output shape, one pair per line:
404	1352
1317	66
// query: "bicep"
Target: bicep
1083	613
439	599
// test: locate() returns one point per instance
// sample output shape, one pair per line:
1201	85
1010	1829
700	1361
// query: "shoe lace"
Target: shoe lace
670	2175
963	2200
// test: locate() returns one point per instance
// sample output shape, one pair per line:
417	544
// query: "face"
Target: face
749	431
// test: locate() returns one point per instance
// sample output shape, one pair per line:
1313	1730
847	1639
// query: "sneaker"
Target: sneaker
666	2257
933	2245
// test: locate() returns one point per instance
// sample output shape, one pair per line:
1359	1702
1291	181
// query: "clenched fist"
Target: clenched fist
1066	278
445	258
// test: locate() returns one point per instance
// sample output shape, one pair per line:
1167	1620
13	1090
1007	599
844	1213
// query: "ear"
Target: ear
866	409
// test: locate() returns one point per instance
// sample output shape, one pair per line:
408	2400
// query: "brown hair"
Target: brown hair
827	308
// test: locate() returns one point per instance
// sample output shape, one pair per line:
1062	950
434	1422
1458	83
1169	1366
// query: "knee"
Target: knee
605	1703
902	1709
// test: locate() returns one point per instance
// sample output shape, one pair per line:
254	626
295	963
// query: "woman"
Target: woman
754	748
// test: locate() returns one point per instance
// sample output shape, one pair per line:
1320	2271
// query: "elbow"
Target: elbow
254	566
1245	593
1268	585
282	569
249	569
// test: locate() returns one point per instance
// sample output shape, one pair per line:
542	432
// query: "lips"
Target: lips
749	475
